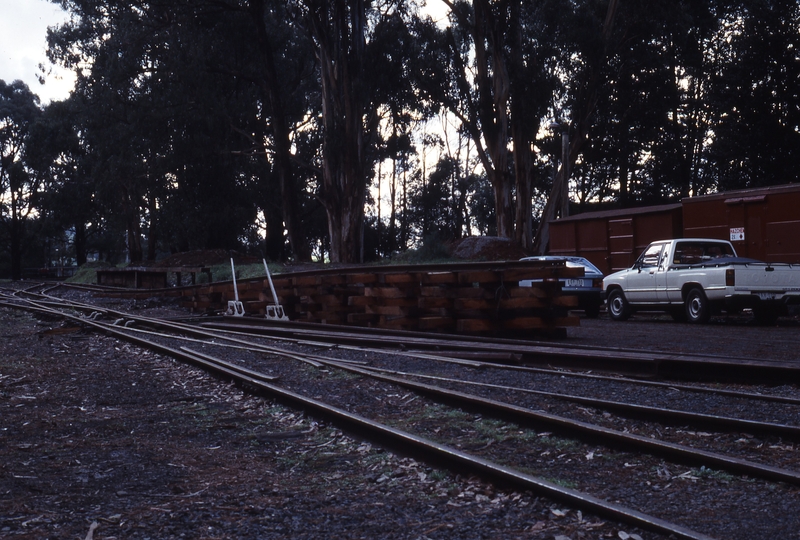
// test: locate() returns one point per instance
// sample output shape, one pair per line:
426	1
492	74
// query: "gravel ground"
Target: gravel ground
101	438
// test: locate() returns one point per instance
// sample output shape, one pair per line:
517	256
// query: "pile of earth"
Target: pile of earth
487	248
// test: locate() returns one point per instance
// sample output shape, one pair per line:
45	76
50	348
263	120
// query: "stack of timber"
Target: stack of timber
469	298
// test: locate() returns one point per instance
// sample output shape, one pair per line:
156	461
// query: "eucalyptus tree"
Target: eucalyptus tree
111	47
698	98
488	67
587	39
283	70
357	72
683	37
19	185
431	202
395	49
59	158
754	94
230	103
167	129
650	129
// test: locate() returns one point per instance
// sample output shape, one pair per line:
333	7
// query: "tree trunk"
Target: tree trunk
523	130
487	120
339	29
393	213
274	241
281	136
79	243
494	90
132	226
135	251
152	232
16	250
581	123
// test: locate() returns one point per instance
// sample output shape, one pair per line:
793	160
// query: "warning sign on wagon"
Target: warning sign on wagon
737	234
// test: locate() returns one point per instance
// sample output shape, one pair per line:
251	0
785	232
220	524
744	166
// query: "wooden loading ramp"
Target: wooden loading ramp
465	298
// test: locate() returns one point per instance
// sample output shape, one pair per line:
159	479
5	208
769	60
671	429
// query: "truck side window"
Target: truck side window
686	253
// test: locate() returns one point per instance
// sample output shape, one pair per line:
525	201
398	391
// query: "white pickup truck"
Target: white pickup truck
691	278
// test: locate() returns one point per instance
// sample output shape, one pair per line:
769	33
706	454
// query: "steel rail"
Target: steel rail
401	441
438	356
220	366
640	362
181	327
439	339
306	356
178	326
408	443
721	423
563	373
585	429
520	413
175	326
718	422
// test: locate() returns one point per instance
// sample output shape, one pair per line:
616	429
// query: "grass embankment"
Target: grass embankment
86	274
426	254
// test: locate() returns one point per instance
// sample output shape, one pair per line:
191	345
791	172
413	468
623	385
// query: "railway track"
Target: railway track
619	360
331	398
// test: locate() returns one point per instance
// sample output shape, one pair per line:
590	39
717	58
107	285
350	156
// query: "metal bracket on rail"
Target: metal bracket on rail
235	308
274	312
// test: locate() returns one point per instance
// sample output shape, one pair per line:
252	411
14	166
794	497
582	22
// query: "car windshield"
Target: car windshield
650	257
570	262
578	262
699	252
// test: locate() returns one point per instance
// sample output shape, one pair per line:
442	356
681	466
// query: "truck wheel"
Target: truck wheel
618	307
697	309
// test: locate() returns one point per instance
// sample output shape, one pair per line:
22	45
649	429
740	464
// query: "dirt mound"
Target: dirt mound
487	248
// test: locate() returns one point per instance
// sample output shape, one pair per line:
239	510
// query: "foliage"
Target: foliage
260	125
19	185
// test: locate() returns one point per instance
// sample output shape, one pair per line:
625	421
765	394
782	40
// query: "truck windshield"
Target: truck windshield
700	252
650	257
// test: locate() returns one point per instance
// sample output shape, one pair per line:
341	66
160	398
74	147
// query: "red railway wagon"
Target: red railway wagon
762	223
613	239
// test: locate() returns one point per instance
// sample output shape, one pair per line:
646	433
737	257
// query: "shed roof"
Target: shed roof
752	194
621	212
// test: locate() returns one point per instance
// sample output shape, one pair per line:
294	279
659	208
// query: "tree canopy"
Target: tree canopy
348	130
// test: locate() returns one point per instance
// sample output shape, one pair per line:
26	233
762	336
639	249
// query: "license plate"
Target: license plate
574	283
767	295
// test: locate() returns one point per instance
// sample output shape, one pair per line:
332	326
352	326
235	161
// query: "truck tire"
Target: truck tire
618	307
697	309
